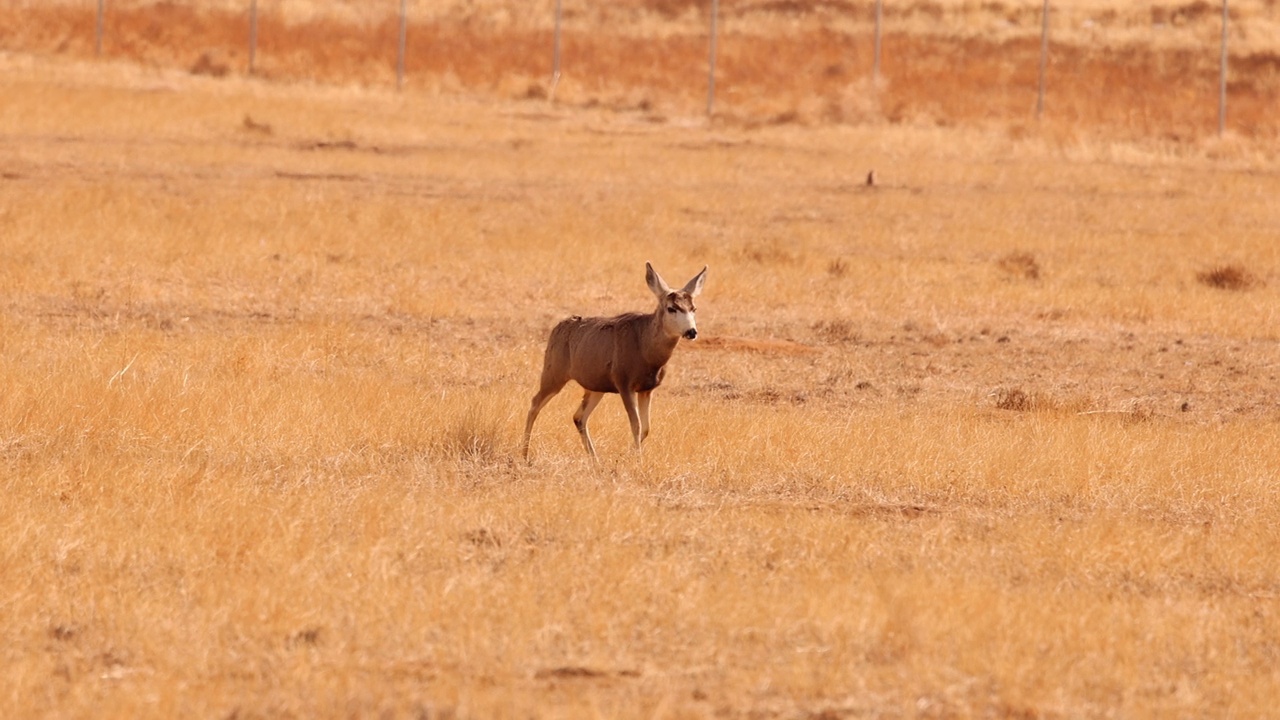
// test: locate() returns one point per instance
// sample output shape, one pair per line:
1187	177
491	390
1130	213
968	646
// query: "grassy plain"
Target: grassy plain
995	437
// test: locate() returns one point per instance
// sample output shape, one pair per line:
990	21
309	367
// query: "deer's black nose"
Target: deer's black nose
691	333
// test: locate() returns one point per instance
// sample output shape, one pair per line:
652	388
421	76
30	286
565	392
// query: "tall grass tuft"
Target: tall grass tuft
475	434
1020	264
1228	277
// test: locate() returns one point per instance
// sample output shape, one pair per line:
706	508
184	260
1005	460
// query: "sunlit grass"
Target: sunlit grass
264	394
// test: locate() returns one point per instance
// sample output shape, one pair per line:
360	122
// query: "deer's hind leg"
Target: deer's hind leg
589	402
551	385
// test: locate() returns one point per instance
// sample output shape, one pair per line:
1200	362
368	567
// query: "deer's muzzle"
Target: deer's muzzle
691	333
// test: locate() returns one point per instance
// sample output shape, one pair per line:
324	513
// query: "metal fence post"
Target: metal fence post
97	32
253	33
1044	57
400	45
875	67
555	55
1222	75
711	63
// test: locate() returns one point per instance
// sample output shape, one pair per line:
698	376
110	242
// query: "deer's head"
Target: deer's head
676	306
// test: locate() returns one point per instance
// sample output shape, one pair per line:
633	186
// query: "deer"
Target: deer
625	354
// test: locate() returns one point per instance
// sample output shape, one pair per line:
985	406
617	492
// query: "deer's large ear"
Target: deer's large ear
694	286
654	280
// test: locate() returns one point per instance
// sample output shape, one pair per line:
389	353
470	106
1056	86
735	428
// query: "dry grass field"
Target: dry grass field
996	437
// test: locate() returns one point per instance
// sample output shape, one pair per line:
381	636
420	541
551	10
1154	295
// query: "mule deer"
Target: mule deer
625	354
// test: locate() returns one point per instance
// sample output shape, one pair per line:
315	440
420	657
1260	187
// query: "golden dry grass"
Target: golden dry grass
267	351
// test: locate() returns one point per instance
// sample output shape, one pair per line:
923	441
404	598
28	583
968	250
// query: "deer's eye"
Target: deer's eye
671	310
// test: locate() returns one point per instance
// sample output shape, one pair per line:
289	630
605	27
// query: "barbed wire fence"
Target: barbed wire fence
713	29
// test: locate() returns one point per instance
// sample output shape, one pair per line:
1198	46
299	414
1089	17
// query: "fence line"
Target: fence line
1044	58
875	64
253	33
711	63
713	31
400	44
1222	75
555	55
97	30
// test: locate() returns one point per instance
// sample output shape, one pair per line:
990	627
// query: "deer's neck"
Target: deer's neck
658	345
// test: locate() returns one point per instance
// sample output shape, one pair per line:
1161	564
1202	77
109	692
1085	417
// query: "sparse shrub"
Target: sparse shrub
253	126
770	253
209	64
1016	399
1020	264
1019	400
835	331
483	537
306	637
837	268
475	436
674	8
787	117
1228	277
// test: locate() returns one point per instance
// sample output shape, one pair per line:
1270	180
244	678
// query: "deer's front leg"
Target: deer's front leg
642	401
633	414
